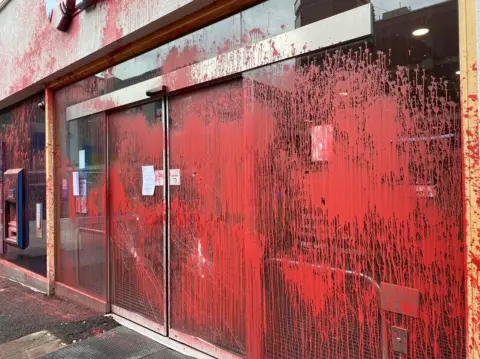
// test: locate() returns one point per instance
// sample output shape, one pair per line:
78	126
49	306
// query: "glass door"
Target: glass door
206	260
137	214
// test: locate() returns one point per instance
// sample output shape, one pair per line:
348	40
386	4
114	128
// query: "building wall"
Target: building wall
33	52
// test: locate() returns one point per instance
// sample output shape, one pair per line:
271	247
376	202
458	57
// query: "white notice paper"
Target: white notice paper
174	177
159	178
81	159
83	188
148	176
38	216
76	183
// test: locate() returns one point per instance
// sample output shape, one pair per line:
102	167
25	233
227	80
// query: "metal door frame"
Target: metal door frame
329	32
175	334
326	33
125	313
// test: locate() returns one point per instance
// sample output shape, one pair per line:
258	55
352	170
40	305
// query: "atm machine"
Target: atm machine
14	215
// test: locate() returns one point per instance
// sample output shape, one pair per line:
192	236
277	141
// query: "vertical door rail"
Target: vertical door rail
468	25
166	215
52	191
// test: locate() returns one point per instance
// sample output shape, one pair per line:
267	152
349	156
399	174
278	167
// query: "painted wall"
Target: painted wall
33	52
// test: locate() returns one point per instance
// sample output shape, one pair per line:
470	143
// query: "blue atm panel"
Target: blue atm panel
16	221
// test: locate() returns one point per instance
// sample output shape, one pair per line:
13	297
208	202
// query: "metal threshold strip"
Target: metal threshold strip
313	37
166	341
3	4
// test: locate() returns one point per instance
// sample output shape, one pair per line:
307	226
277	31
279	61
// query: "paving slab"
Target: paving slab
24	311
31	346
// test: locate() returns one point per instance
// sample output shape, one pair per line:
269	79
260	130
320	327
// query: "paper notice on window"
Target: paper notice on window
83	205
38	220
65	189
77	204
174	177
76	183
159	178
148	177
322	143
81	159
83	188
38	216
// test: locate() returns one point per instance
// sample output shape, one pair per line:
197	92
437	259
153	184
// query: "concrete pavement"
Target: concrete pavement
33	325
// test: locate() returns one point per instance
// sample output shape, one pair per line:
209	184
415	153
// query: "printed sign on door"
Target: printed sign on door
322	142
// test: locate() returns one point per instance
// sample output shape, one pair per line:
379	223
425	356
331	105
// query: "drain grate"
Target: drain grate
166	353
120	343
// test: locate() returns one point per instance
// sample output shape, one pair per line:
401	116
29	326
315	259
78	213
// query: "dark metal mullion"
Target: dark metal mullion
107	212
166	197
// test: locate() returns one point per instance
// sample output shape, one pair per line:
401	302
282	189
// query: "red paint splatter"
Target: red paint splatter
112	31
275	52
97	331
253	164
177	58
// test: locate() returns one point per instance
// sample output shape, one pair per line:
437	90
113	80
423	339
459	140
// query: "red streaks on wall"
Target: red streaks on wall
112	29
383	208
177	58
275	52
472	190
254	35
34	50
194	51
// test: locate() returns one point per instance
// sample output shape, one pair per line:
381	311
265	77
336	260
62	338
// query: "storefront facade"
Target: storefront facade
276	179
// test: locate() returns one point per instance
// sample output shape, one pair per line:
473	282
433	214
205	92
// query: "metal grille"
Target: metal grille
340	330
91	268
117	343
138	286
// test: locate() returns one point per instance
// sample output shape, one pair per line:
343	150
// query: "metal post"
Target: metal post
166	222
51	189
108	257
